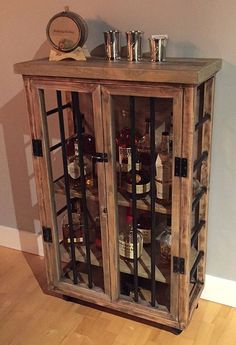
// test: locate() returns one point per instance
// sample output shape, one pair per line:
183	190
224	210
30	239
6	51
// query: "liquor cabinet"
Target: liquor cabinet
121	155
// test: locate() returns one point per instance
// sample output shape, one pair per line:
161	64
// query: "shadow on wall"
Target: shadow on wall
16	136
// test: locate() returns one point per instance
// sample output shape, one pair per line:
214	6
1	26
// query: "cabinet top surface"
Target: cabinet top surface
174	70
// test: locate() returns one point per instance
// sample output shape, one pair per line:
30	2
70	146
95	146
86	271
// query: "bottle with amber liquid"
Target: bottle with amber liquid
126	240
142	182
164	171
144	148
123	142
77	222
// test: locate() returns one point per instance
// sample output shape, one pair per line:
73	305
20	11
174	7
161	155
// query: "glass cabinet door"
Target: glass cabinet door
143	136
73	147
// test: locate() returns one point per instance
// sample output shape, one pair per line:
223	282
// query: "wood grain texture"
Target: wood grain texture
30	316
184	71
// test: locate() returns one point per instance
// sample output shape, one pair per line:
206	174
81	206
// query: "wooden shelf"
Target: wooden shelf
126	266
122	200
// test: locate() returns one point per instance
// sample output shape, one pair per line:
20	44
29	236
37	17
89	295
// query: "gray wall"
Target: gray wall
201	28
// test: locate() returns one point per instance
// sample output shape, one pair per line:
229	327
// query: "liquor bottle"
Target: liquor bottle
142	181
165	243
77	228
73	164
144	147
164	171
144	226
126	242
123	142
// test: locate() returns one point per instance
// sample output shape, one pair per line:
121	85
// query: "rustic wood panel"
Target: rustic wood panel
186	71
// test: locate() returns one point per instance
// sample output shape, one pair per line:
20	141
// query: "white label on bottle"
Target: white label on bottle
126	249
140	188
74	169
146	235
125	158
163	179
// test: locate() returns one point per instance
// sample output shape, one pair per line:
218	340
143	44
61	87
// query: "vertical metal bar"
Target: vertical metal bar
79	130
134	196
153	197
67	186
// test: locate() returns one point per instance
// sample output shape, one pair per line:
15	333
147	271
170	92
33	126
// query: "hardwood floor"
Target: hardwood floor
30	316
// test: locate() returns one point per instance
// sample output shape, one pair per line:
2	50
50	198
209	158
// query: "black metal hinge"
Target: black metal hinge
181	167
47	234
100	157
178	265
37	147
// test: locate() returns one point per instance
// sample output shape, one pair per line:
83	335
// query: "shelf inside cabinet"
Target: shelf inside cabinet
122	200
126	266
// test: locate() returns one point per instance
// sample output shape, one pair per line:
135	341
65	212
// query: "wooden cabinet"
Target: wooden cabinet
84	102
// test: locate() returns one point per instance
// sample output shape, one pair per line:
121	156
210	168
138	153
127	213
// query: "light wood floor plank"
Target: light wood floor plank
31	316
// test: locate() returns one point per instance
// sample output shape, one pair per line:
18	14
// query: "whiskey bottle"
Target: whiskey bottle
77	225
123	142
144	226
73	164
165	243
144	147
142	181
164	171
126	242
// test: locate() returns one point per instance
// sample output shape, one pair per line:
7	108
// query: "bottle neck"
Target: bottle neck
165	141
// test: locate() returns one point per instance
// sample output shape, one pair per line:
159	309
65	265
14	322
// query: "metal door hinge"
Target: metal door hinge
47	234
181	167
37	147
178	265
100	157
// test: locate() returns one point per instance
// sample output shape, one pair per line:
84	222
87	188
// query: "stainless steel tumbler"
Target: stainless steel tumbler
112	44
134	45
158	45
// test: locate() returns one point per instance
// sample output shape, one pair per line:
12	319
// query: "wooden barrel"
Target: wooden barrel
67	31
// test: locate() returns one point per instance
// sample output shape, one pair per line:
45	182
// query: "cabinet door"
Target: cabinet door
71	178
143	195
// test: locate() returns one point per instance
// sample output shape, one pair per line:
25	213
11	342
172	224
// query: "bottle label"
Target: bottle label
163	190
74	169
126	249
163	179
146	235
76	239
140	188
125	158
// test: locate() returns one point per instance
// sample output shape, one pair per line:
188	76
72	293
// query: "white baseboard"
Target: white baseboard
216	289
21	240
220	290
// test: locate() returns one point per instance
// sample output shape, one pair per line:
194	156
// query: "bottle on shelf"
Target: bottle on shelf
164	171
144	147
77	229
126	242
123	142
165	243
144	224
142	181
73	164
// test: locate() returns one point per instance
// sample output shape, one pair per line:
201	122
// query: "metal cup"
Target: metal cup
134	45
158	45
112	44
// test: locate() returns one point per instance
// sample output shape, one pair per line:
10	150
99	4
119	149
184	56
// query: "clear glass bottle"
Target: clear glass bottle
165	243
144	224
144	147
126	243
123	142
73	166
78	228
142	181
164	171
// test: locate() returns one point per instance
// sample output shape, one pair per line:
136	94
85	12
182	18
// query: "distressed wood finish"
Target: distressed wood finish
189	109
184	71
205	171
176	83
